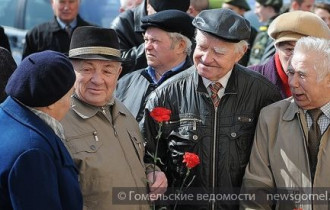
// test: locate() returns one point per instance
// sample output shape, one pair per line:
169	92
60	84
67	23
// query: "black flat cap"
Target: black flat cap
170	21
224	24
41	79
160	5
90	42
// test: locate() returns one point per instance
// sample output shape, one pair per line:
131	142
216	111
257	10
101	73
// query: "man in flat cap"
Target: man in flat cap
289	163
36	169
240	7
102	135
128	27
215	106
263	48
167	41
286	30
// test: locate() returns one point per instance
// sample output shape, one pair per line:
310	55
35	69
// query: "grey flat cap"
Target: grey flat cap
223	23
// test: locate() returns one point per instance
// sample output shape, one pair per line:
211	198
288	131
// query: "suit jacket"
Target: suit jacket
49	36
36	170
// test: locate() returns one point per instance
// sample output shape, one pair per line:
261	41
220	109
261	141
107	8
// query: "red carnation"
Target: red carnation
191	160
160	114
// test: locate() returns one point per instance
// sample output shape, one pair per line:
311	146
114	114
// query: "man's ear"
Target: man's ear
241	53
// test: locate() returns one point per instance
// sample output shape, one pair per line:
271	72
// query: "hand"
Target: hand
157	186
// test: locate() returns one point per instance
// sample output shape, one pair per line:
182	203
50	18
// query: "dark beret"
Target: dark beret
273	3
238	3
160	5
170	21
41	79
224	24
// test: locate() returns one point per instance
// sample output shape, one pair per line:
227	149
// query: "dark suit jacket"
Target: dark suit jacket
49	36
36	170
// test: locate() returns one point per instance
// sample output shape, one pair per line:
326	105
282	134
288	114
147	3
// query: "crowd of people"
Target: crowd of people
107	118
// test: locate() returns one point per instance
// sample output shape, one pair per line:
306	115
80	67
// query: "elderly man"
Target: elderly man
101	134
55	34
291	147
36	169
285	30
167	40
128	27
215	106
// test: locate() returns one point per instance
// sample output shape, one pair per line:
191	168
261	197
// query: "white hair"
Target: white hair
318	47
177	36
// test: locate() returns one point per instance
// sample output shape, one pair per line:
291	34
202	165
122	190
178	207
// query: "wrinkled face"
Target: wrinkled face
214	57
307	91
160	49
285	50
263	13
323	14
234	8
96	80
66	10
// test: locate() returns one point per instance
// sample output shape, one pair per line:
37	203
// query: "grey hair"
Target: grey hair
177	36
319	47
241	46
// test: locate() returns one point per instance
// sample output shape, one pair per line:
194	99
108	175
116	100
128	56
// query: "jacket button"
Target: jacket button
195	137
92	147
233	135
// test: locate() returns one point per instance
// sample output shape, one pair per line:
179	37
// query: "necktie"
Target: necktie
314	135
68	29
214	93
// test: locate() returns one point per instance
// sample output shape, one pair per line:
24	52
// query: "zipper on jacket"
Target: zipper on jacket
214	154
195	120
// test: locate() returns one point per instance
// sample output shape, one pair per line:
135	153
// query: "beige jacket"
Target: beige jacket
279	159
108	151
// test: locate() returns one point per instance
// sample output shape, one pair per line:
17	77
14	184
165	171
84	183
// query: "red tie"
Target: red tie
214	93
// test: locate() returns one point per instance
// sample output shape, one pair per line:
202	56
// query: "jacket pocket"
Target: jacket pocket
138	144
86	142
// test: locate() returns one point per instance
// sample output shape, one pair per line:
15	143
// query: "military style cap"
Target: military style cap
238	3
224	24
170	21
273	3
291	26
160	5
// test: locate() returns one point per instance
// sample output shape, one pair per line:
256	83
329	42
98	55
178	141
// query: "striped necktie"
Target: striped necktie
214	93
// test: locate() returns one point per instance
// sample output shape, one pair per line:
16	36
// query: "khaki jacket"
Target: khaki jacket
108	151
279	159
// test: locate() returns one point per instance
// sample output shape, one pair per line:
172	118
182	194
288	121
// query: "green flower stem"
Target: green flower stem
156	150
181	188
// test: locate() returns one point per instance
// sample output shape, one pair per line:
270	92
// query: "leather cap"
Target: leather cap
224	24
170	21
291	26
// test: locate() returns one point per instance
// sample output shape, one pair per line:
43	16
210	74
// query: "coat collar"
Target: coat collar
231	85
292	110
86	111
26	117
